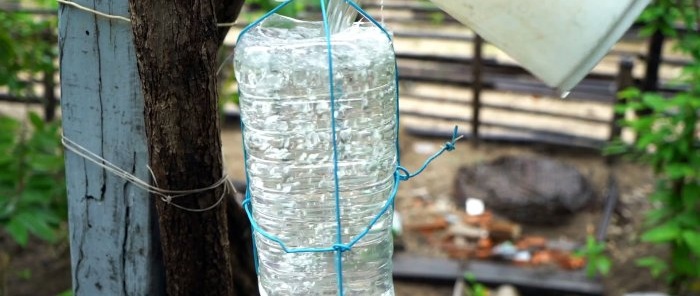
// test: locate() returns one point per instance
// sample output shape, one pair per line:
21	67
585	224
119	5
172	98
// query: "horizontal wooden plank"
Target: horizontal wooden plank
505	133
530	281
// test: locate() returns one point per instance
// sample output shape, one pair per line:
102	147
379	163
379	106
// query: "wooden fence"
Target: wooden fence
475	71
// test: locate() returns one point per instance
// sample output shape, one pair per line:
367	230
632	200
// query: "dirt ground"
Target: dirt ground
635	182
50	265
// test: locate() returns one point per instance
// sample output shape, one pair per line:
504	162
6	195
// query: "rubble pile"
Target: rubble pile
482	235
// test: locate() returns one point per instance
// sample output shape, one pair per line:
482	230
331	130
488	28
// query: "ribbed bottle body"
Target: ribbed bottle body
282	71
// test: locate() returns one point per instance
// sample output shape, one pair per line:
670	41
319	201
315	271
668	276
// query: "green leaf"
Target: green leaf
680	260
647	31
690	194
36	121
689	219
42	182
17	231
46	163
37	225
603	265
620	108
469	277
656	266
656	216
30	196
25	274
641	124
692	239
678	170
44	143
646	139
615	147
8	132
664	233
629	93
655	101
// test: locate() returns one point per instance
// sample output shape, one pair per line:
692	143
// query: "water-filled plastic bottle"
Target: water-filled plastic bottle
282	71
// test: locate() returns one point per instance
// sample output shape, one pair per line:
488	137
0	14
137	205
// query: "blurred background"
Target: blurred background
594	194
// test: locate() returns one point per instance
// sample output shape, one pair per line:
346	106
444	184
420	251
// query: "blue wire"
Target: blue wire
336	179
400	173
449	146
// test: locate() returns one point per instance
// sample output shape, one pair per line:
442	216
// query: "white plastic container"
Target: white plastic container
559	41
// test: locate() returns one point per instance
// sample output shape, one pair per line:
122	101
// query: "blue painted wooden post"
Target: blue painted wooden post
113	247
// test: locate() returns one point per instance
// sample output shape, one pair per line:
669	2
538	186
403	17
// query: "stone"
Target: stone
526	189
506	290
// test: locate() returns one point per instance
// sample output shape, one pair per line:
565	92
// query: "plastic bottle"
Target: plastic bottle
282	71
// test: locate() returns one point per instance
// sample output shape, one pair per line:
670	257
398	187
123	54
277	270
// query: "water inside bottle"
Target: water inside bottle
282	70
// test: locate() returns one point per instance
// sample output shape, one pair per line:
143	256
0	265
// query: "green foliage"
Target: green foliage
598	261
25	274
437	18
667	139
27	46
32	186
474	288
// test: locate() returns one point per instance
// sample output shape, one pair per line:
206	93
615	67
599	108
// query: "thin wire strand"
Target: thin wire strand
119	17
334	138
109	16
231	24
221	67
166	195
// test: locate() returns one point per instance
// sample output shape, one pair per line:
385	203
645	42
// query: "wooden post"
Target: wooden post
654	53
50	100
624	80
653	61
113	247
476	88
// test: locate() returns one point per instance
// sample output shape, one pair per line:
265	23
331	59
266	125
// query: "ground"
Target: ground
49	265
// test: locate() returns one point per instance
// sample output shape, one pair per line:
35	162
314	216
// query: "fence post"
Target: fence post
653	61
114	249
477	63
624	80
50	100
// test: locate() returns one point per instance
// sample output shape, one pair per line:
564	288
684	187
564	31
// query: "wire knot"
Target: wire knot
168	199
403	173
341	248
449	146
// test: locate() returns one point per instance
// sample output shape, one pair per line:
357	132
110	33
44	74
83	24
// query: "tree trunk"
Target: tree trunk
176	47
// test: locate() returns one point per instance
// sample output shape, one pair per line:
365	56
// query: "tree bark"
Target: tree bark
176	47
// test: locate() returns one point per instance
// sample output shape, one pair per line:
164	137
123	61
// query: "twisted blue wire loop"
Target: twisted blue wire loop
405	175
400	174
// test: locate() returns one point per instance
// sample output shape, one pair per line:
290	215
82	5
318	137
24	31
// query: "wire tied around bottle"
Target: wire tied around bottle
405	175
